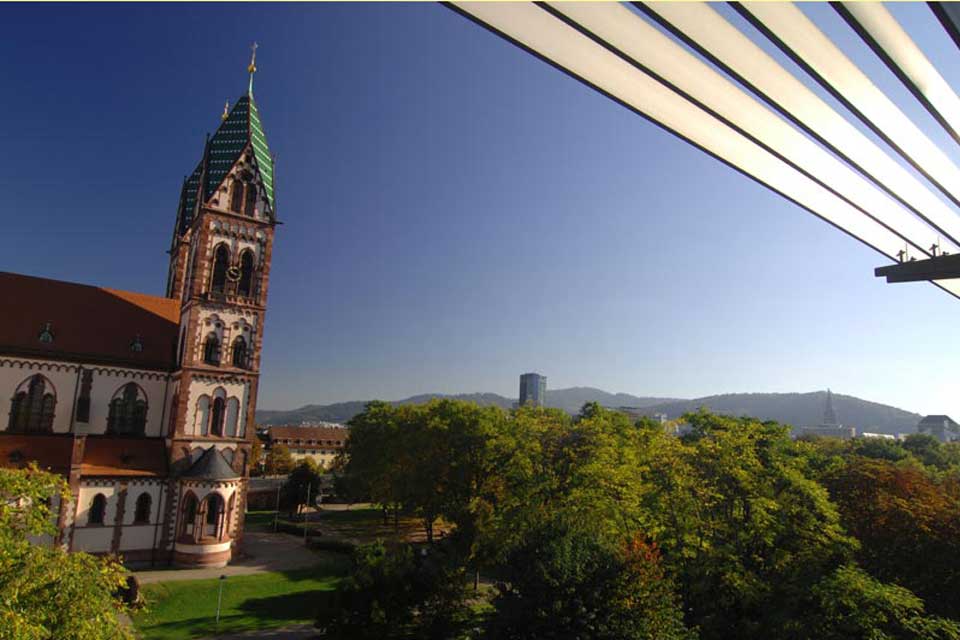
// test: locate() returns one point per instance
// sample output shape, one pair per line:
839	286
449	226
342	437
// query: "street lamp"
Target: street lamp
223	579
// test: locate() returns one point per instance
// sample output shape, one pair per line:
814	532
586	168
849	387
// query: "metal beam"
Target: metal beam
894	46
701	27
941	267
797	36
612	61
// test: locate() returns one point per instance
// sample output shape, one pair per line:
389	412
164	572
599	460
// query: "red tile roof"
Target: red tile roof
322	435
114	456
50	452
89	323
102	455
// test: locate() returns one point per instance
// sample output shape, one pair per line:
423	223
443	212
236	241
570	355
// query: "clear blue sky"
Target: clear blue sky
456	212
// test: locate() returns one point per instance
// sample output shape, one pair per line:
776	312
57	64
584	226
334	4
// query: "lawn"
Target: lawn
258	521
186	609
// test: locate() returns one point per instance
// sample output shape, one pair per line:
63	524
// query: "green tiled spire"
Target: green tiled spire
240	128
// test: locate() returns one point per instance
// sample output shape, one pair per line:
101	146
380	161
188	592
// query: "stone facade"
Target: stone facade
146	404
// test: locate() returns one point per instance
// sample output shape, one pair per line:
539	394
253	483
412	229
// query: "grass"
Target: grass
258	521
186	609
358	524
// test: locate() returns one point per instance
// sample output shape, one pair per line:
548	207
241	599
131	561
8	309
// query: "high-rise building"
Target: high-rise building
146	404
533	390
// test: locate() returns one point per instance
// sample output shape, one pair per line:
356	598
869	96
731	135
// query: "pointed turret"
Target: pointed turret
240	130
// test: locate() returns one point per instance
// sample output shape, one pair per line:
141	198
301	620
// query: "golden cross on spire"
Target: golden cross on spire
226	110
252	69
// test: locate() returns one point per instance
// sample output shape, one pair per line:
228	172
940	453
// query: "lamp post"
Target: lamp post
276	512
306	506
223	578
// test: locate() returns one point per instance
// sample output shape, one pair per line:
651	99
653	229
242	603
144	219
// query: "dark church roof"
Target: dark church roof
241	127
124	456
938	420
211	466
68	321
102	455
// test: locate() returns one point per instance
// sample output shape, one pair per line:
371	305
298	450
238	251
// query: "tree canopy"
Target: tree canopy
45	592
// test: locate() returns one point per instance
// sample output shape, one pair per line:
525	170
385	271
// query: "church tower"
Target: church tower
219	272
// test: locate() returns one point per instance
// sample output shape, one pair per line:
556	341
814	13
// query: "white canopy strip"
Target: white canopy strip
632	36
560	44
797	36
707	31
896	48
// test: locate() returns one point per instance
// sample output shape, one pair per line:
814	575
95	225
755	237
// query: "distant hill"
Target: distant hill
572	399
795	409
569	400
799	409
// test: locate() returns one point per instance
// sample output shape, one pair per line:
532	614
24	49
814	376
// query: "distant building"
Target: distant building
322	444
943	428
533	390
635	413
830	426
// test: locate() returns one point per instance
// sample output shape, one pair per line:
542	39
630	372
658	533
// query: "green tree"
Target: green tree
256	458
746	531
279	462
374	455
927	449
304	482
46	593
566	583
395	592
908	524
851	604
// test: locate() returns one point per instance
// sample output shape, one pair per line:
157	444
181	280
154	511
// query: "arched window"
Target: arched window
189	514
211	349
221	260
31	409
233	413
236	196
98	509
250	204
216	417
240	352
229	514
245	284
214	515
202	424
128	411
142	513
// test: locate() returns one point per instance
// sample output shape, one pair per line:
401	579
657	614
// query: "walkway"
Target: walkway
263	552
296	632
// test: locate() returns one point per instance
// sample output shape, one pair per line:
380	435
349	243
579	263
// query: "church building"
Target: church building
146	404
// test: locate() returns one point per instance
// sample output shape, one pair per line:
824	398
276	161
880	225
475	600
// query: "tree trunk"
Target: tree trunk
396	518
428	526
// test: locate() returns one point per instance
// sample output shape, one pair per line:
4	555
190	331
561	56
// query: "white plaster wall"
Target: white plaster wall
64	382
93	540
107	382
87	492
134	489
64	378
139	537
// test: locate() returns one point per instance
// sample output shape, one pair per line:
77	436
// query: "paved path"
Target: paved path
296	632
262	552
